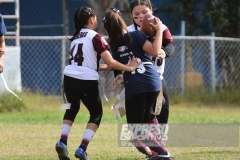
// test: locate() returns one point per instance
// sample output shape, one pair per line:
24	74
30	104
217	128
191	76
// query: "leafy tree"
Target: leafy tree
205	16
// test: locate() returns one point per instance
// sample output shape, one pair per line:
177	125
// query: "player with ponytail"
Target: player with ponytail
142	86
80	82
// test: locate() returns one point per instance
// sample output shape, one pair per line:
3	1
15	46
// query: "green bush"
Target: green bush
10	103
196	95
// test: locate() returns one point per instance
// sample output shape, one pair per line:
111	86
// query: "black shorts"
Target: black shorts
139	108
77	90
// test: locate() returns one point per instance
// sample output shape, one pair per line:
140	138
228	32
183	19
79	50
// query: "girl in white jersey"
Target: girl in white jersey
138	9
80	81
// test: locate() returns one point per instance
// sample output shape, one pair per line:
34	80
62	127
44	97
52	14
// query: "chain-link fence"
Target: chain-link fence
41	63
208	62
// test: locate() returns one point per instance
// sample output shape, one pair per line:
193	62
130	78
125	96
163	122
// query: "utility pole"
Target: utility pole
65	17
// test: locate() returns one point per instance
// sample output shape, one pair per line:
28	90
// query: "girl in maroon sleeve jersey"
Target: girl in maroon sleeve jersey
80	83
138	9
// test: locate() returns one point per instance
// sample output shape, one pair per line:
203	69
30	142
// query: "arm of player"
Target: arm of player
112	63
2	52
154	48
162	54
2	45
117	81
1	63
169	49
104	67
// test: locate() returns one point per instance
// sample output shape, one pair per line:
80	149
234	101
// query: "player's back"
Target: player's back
85	55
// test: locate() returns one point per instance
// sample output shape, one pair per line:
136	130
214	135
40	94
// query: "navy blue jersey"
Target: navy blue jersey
3	29
145	78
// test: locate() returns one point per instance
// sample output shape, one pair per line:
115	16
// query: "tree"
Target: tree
205	16
100	7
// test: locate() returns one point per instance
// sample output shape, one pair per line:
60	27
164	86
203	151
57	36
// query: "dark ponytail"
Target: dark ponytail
81	18
114	25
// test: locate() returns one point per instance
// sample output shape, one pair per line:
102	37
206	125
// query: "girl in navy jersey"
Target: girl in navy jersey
143	85
138	9
80	81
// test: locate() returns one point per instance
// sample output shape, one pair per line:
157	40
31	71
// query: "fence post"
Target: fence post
213	66
65	17
183	59
63	54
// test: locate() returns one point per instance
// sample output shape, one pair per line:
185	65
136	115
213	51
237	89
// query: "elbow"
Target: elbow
155	54
111	65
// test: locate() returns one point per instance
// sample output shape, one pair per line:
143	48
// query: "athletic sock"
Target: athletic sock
153	121
65	132
158	145
86	139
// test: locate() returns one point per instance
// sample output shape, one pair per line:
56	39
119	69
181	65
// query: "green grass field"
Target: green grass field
31	133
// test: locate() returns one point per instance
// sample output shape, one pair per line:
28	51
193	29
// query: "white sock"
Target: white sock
88	134
66	129
86	139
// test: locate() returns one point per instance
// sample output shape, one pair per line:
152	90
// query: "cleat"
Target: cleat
61	149
81	154
161	157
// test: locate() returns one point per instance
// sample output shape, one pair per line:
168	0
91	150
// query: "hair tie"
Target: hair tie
115	9
104	20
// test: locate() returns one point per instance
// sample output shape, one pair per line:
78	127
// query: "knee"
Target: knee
96	117
165	103
70	114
